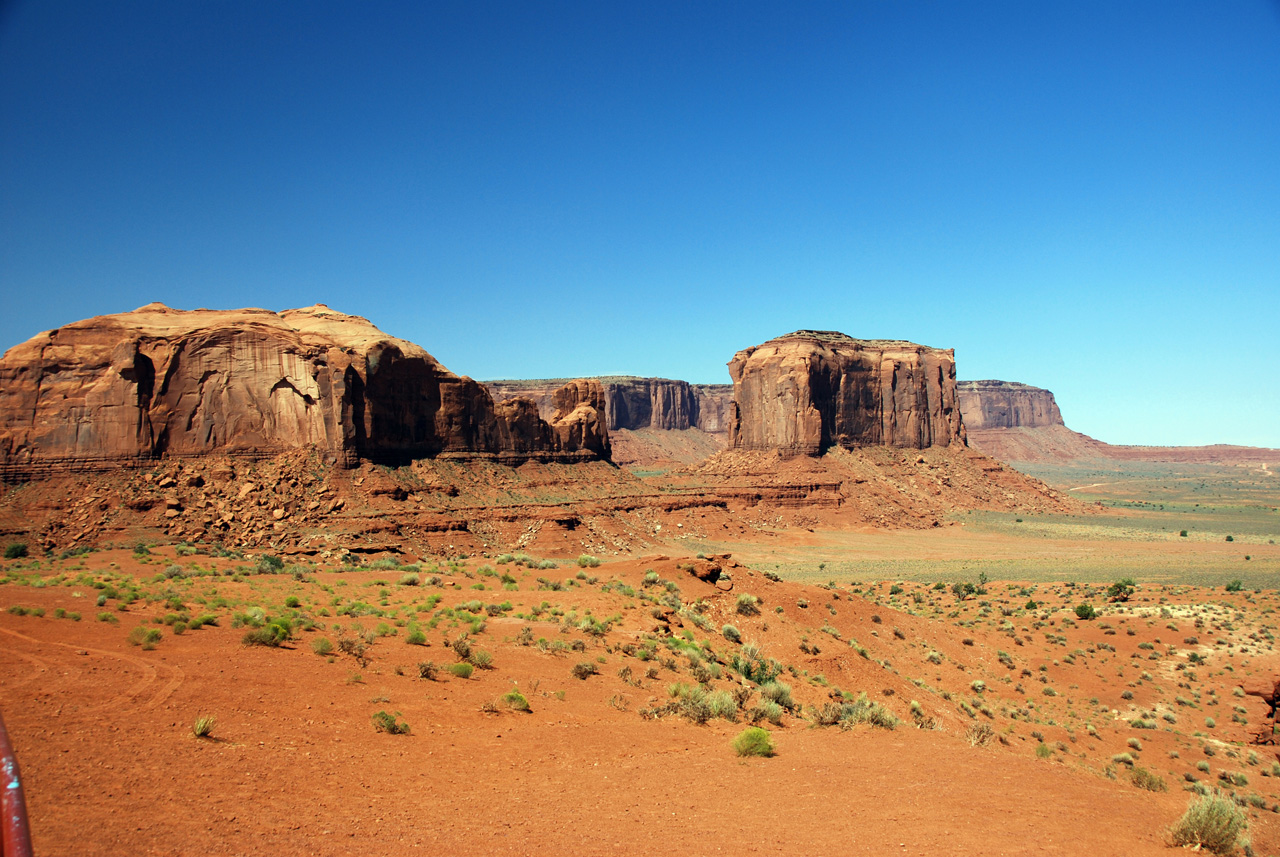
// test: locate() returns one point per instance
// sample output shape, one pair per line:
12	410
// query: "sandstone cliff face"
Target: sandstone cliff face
808	391
1006	404
160	382
639	403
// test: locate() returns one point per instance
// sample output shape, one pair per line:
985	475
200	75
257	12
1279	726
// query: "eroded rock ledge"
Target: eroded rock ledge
159	382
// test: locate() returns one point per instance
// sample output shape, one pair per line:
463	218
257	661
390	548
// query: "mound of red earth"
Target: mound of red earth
162	383
1018	422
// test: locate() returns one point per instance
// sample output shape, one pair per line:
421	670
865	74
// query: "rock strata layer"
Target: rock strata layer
159	382
808	391
638	403
1006	404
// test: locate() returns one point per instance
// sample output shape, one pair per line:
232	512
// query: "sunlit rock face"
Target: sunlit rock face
805	392
159	382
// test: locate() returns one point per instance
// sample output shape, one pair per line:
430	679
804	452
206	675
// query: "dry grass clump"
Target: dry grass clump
754	741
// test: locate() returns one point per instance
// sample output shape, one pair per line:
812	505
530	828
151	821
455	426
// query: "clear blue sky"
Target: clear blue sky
1081	196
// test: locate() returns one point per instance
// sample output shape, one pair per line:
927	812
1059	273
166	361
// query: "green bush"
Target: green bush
461	669
144	637
272	634
515	700
322	646
1086	611
1211	822
16	550
584	670
731	634
753	741
748	605
415	637
1121	589
384	722
1234	586
588	561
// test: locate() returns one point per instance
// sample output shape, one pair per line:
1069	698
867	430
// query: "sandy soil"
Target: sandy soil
295	765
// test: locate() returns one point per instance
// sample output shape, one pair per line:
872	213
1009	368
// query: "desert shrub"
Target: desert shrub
273	633
15	550
1211	822
410	579
650	578
1086	611
203	727
270	564
144	637
384	722
1144	779
415	637
1235	585
1043	751
1134	744
584	670
515	700
462	669
175	570
748	605
766	710
588	561
427	670
1121	589
731	634
979	734
480	659
754	667
722	704
322	646
753	741
778	692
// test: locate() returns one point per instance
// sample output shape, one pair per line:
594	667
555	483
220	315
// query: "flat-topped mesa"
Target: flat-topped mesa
802	393
637	403
1006	404
159	382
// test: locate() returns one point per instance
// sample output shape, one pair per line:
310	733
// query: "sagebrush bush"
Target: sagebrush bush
322	646
462	669
731	634
754	741
16	550
1211	822
584	670
1144	779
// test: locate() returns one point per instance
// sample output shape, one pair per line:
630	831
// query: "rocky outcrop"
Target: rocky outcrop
1006	404
1018	422
638	403
805	392
158	382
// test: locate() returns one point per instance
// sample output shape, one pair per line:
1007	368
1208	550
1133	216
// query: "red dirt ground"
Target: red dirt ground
103	728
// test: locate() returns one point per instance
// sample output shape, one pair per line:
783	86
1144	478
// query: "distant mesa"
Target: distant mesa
1020	423
159	382
811	390
1006	404
633	403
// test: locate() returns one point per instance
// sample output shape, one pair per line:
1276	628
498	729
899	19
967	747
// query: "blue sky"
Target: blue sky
1082	196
